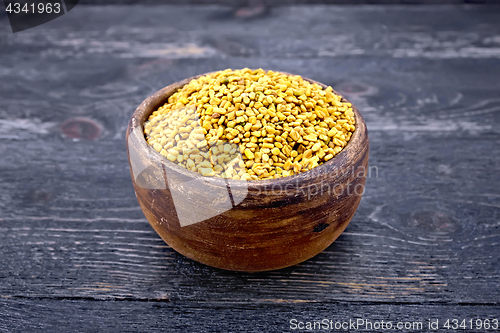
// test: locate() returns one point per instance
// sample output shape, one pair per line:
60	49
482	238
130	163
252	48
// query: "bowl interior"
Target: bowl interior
156	100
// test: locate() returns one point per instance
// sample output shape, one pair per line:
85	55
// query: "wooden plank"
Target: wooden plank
426	82
21	315
405	243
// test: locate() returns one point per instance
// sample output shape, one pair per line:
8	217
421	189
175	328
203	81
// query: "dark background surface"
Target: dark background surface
239	3
77	253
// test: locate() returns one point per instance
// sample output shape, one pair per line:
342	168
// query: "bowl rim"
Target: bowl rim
152	102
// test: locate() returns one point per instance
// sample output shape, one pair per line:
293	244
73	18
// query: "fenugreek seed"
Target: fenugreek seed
270	111
294	135
249	154
247	127
316	146
158	147
198	137
321	153
328	157
310	137
337	142
220	131
245	177
207	172
190	163
201	144
251	145
205	164
174	152
307	153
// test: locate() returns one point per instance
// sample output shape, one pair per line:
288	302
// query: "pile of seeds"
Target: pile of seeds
250	124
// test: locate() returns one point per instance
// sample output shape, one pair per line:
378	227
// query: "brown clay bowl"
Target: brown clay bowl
245	225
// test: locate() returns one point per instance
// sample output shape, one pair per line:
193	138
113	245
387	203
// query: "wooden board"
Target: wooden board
72	236
153	316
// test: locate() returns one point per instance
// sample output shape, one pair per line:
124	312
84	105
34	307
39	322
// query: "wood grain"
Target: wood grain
424	239
22	315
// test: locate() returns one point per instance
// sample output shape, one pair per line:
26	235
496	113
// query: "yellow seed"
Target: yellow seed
207	171
220	131
262	114
205	164
294	135
249	154
201	144
280	116
173	152
157	147
310	137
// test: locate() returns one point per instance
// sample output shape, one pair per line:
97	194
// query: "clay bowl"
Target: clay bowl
245	225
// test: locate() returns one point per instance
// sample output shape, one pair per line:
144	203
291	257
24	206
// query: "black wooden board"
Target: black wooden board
85	315
78	254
